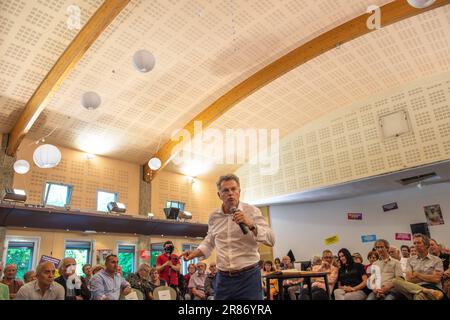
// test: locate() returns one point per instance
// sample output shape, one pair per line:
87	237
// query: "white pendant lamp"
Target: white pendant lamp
21	166
420	4
46	156
143	61
154	163
91	100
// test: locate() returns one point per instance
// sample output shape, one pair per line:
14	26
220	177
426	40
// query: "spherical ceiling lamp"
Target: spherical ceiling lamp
143	61
154	163
46	156
21	166
420	4
91	100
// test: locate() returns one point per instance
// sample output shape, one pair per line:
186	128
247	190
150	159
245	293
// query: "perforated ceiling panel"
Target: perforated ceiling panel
202	49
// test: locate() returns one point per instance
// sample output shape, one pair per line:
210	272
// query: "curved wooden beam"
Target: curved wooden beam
390	13
71	56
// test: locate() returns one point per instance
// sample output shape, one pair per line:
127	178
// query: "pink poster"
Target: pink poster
403	236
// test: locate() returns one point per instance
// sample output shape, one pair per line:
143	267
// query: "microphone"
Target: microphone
241	225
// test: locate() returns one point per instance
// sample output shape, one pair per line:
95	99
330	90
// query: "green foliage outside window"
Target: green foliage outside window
126	261
81	256
22	258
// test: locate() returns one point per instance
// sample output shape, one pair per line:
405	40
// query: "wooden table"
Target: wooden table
307	275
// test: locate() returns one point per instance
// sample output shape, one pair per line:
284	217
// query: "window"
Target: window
175	204
156	250
184	264
103	198
127	258
56	194
21	253
80	251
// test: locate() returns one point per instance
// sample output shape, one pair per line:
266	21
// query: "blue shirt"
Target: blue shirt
103	285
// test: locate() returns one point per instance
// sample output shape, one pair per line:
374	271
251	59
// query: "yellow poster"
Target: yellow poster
331	240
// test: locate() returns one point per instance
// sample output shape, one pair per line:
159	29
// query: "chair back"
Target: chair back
139	294
172	292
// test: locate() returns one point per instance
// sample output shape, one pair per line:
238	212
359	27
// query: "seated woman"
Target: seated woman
351	280
372	256
155	282
268	268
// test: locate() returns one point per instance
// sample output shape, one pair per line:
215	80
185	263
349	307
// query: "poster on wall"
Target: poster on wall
55	261
369	238
331	240
390	206
403	236
433	214
102	254
354	216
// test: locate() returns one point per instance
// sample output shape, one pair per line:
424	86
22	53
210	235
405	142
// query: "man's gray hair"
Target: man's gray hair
426	240
227	177
63	262
42	265
144	266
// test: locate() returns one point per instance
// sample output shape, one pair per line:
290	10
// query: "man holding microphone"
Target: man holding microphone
235	230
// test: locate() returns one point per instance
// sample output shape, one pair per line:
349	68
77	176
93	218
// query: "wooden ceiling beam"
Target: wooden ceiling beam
65	64
392	12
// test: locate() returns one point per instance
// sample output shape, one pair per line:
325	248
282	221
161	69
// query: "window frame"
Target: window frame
91	249
185	264
14	238
181	205
68	196
116	198
128	243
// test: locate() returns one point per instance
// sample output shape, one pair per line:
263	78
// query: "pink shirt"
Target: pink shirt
331	277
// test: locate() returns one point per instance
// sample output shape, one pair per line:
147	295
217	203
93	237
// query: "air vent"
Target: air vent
416	179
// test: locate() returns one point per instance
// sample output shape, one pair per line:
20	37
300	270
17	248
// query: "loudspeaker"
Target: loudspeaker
420	228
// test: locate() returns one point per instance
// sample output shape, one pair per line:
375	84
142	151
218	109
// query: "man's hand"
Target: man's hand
191	254
239	217
348	289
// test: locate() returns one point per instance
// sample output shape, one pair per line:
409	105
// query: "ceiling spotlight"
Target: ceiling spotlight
420	4
143	61
150	215
91	100
21	166
116	207
185	215
46	156
14	195
154	163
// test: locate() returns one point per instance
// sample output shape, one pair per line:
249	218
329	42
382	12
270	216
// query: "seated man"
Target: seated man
87	270
394	253
197	283
291	286
435	249
210	282
318	289
141	280
29	276
10	280
108	284
423	273
390	268
44	287
75	287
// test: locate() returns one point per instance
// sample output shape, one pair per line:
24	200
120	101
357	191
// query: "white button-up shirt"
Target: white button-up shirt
234	249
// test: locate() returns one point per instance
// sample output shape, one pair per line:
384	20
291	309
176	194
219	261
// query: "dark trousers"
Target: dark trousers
317	294
245	285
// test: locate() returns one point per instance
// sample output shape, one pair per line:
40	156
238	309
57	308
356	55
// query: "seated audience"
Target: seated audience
390	268
291	286
351	278
268	268
423	273
4	290
406	253
96	269
372	256
29	276
394	252
357	258
108	284
141	280
10	280
75	288
187	277
197	283
435	249
413	251
318	289
44	287
210	282
87	270
155	282
277	264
